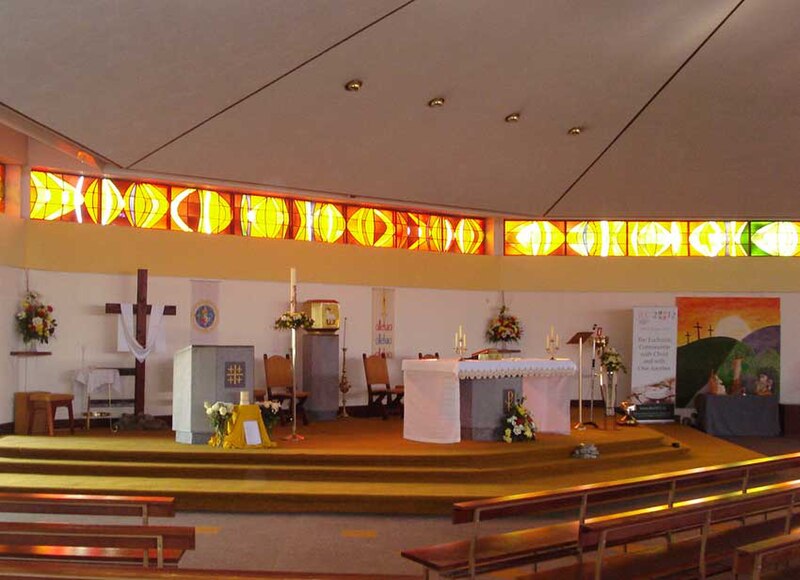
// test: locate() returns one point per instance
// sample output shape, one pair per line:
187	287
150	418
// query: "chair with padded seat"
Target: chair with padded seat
279	381
49	403
381	396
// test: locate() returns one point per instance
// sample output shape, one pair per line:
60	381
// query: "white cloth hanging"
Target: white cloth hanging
126	334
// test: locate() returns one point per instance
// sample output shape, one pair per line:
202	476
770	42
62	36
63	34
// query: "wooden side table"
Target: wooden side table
49	402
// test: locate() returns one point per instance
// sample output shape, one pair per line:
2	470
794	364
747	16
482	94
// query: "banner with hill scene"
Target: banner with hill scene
728	346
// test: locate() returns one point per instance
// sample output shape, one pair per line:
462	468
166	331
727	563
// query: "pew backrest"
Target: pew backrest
622	529
145	538
88	504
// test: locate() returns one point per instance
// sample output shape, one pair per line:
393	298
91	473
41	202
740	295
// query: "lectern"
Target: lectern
579	338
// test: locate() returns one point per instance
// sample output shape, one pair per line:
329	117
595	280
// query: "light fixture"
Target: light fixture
576	130
353	85
436	102
512	118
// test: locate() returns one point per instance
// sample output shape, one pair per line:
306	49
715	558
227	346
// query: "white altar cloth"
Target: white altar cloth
94	379
432	393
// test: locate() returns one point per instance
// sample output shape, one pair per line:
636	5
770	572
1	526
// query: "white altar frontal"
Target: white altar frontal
449	400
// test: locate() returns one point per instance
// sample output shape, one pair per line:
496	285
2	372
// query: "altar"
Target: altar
449	400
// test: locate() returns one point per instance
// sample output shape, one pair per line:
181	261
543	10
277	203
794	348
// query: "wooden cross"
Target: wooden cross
710	331
141	309
698	328
688	337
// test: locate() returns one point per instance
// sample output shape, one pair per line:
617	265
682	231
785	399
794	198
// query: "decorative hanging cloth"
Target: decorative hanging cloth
154	330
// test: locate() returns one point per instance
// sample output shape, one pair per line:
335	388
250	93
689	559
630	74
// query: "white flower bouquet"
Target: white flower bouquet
219	414
612	361
289	320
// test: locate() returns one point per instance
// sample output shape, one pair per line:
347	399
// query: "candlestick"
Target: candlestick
292	289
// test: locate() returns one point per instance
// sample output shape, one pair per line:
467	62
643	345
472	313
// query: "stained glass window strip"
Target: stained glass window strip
651	238
147	205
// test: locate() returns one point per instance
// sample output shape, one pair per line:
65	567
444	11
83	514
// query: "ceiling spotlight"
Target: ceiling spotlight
577	130
436	102
353	85
512	118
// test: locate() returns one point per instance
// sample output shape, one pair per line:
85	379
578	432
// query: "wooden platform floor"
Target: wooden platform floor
352	465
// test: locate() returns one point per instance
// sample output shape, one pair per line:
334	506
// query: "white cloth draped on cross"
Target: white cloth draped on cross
126	333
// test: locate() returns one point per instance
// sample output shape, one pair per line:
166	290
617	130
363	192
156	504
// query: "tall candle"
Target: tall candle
455	343
292	288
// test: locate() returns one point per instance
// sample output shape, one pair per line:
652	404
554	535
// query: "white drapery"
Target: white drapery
127	334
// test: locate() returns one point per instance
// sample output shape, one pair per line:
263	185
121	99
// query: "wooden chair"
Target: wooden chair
49	402
382	397
280	378
428	356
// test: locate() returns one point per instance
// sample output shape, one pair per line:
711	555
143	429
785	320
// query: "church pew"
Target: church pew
95	543
47	570
712	552
494	552
767	557
85	504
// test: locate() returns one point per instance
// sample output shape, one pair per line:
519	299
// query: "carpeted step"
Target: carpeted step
522	466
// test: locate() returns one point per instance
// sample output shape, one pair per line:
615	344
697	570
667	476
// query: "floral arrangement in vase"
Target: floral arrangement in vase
289	320
504	327
612	361
518	424
35	321
270	414
219	414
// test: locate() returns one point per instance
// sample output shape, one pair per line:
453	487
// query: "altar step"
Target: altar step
312	471
364	467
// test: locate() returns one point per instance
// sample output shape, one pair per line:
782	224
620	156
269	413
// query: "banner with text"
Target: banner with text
653	362
383	321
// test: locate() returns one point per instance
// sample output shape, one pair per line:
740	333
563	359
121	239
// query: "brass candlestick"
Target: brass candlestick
344	384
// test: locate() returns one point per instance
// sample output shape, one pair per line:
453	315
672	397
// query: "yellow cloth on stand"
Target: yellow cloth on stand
235	435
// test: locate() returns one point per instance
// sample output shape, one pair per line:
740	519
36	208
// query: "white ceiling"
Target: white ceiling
690	108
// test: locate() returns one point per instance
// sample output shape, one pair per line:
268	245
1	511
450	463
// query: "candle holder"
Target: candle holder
552	343
552	347
460	350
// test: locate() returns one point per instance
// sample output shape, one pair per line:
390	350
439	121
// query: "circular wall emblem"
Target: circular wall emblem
205	315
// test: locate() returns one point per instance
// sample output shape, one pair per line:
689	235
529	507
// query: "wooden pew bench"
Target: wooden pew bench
50	571
480	554
768	557
145	545
711	551
144	507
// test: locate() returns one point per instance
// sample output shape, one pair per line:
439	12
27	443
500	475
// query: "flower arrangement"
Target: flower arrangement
270	414
289	320
518	423
219	414
612	361
504	327
35	320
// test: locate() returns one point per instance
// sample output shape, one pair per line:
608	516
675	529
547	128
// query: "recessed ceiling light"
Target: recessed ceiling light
577	130
353	85
512	118
436	102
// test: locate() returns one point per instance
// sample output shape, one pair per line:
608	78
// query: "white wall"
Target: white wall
426	320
